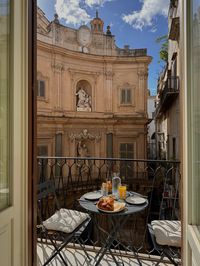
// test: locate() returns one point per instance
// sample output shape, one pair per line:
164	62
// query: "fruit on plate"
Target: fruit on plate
106	203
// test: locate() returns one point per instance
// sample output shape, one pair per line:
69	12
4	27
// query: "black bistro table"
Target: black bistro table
116	219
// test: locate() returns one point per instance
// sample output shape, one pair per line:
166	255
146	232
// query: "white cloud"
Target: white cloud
92	3
145	17
71	11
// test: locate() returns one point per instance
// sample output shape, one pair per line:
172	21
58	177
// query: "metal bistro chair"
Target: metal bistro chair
166	238
56	225
166	232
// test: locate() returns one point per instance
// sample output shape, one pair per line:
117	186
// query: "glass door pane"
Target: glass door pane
195	109
4	104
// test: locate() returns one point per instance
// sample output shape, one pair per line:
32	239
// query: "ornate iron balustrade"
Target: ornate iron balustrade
156	179
169	93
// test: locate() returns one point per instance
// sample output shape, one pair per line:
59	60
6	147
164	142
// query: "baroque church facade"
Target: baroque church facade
92	95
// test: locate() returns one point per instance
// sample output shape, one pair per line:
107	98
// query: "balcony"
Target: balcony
174	29
167	95
74	176
173	21
75	257
172	9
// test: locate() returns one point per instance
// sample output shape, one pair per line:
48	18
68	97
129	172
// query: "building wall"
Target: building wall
173	112
173	116
168	91
63	67
151	137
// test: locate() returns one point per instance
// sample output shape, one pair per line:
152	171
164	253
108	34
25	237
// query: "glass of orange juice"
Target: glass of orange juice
122	191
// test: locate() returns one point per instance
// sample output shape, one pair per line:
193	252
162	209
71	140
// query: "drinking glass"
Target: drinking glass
104	189
122	191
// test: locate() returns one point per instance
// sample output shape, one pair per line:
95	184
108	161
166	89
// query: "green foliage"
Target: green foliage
163	41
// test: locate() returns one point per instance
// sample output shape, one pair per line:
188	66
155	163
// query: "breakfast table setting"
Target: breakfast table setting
117	207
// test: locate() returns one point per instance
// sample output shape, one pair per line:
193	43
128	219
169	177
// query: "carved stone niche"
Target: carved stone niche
83	96
84	142
84	135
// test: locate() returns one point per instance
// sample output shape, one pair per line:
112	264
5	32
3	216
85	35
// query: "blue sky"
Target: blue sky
134	22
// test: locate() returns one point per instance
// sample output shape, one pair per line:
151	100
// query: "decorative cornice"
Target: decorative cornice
92	57
86	72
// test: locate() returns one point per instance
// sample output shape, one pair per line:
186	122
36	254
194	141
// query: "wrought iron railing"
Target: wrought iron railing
158	180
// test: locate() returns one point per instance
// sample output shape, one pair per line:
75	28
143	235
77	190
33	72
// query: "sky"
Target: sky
137	23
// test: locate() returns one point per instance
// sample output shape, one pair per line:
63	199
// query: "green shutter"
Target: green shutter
128	96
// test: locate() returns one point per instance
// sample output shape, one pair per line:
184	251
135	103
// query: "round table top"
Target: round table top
91	206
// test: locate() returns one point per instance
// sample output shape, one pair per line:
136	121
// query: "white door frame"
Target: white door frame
15	235
191	236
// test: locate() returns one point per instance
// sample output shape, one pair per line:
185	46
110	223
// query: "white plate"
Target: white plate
118	206
135	200
92	195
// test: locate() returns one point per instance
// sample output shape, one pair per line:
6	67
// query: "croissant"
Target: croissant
106	203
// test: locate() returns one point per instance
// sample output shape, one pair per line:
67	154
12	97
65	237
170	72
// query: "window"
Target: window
42	150
174	148
109	145
125	96
5	104
41	88
127	152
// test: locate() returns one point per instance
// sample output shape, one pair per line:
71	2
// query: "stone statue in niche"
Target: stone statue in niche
83	101
82	149
82	152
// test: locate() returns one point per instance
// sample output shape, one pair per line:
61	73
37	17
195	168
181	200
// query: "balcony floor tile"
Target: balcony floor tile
76	257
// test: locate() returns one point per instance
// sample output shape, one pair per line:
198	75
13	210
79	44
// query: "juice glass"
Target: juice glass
122	192
109	185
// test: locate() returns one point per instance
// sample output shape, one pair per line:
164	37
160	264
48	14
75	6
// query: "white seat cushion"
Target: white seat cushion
65	220
167	232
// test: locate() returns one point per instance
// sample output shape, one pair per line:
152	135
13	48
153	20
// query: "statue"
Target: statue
82	149
88	102
84	100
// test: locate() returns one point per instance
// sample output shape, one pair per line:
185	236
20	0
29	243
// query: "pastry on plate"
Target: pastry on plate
106	203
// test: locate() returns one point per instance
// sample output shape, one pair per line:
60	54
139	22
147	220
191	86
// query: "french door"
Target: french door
191	137
16	137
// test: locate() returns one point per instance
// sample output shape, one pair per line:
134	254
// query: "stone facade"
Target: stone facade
91	94
151	136
168	100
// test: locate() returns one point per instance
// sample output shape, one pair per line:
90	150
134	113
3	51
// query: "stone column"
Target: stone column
109	145
58	69
142	90
108	87
72	98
